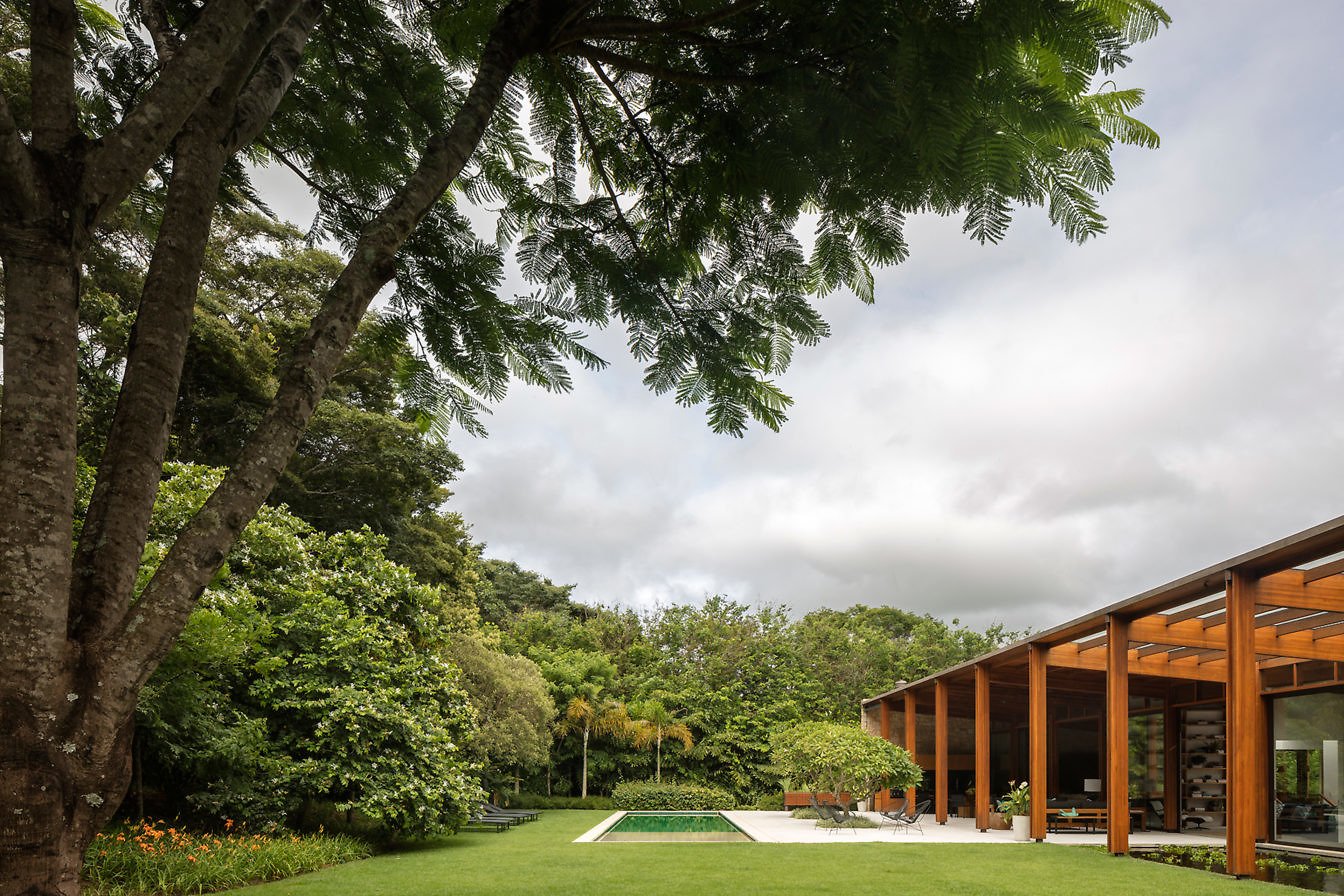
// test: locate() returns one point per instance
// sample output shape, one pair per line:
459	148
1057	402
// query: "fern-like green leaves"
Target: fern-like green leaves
654	167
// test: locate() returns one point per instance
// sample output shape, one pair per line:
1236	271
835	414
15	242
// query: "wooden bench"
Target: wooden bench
801	799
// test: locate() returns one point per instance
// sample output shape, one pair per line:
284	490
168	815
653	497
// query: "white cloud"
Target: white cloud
1015	433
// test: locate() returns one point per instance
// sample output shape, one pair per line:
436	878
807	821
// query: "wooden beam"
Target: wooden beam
1151	650
1153	630
1328	631
1200	609
882	799
1067	656
1171	766
1117	736
1243	693
940	750
982	782
1092	643
1308	623
1283	614
1038	730
1289	588
1333	568
911	743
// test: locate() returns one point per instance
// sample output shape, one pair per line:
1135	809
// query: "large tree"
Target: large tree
706	128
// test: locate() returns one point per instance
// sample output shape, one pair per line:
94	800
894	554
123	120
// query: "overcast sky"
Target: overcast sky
1016	433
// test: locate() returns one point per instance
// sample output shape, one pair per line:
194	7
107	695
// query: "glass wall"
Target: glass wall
1308	768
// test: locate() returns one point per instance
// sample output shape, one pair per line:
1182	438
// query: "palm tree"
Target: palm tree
652	724
593	717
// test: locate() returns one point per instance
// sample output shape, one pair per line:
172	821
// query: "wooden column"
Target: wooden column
1117	735
1037	727
911	745
1243	726
982	784
1264	760
882	798
940	750
1171	766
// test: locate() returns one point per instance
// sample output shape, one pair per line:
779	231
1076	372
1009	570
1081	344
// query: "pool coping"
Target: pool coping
594	834
606	824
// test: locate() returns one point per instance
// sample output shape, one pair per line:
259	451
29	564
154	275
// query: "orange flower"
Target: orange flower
228	824
191	858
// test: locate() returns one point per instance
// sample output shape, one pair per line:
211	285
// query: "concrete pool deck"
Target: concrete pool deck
778	827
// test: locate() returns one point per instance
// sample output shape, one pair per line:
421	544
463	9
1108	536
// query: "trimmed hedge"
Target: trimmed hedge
667	797
541	801
771	802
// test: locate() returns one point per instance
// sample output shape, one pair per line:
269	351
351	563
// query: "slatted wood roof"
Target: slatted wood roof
1179	630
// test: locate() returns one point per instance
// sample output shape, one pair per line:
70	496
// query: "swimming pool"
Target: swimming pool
653	827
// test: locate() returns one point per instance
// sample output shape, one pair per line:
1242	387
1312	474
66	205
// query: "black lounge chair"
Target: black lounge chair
892	816
493	822
835	814
913	822
524	814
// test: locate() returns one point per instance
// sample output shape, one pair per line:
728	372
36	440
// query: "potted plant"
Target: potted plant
1016	805
967	809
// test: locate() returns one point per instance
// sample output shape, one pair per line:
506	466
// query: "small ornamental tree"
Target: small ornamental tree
823	756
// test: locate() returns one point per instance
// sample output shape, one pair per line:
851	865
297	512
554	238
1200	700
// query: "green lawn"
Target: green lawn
538	858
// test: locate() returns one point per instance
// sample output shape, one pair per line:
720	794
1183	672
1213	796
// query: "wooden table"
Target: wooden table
1091	817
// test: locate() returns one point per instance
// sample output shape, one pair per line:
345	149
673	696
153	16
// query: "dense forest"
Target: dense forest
359	655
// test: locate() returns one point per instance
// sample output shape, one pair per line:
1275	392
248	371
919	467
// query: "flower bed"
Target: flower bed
153	858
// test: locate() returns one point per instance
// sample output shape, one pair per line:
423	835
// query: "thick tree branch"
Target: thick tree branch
152	623
117	521
594	53
54	25
270	82
225	31
154	16
18	179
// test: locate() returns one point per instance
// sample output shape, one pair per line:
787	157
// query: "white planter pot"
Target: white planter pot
863	806
1022	827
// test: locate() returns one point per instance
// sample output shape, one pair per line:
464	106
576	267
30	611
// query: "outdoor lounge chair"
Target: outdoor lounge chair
524	814
913	822
891	816
493	822
837	814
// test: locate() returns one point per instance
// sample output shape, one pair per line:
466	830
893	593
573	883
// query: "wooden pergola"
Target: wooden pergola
1254	625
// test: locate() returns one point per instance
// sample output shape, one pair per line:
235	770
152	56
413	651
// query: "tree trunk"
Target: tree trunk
64	750
658	761
583	791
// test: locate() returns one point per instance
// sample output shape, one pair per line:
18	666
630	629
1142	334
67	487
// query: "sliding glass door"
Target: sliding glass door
1308	768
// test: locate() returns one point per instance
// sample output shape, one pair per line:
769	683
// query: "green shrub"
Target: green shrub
806	812
855	821
771	802
541	801
151	858
668	797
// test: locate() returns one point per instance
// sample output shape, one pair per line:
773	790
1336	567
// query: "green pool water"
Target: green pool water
675	826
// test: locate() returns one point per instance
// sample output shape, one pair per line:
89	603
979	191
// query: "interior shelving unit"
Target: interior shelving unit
1204	766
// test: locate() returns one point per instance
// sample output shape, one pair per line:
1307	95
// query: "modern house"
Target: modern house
1214	702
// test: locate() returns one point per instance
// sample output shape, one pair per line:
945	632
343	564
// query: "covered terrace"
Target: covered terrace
1215	701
